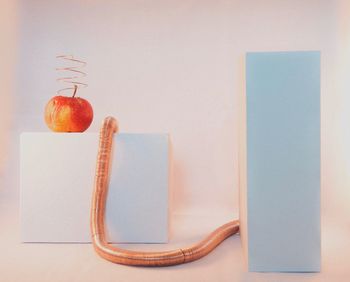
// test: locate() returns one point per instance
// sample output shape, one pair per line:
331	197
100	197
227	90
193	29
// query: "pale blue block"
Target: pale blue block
283	161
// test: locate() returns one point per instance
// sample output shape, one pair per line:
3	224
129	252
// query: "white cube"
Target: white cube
56	180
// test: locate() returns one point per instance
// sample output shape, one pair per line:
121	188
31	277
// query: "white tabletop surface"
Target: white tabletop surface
78	262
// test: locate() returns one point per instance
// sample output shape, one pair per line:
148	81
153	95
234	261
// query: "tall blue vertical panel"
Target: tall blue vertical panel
283	161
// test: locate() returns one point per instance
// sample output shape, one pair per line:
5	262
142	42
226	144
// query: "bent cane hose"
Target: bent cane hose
122	256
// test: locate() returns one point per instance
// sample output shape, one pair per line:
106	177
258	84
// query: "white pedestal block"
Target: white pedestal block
280	162
57	174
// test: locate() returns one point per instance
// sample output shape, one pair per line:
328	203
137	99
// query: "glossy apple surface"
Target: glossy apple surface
68	114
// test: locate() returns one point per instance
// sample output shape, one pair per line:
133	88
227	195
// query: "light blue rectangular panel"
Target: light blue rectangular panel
283	161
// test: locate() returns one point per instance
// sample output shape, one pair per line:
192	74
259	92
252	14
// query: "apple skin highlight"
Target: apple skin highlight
68	114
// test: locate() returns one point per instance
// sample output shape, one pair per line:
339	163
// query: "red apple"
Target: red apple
68	114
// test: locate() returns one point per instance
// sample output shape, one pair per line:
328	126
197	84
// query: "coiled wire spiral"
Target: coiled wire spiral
75	74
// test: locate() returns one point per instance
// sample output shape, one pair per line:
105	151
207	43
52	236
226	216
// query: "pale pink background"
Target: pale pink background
177	67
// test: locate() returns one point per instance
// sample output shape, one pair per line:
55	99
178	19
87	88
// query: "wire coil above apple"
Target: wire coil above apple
69	113
71	74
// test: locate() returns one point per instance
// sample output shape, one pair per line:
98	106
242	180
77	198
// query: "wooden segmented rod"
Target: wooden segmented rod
121	256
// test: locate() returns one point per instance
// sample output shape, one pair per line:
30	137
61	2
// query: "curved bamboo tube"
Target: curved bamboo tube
121	256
